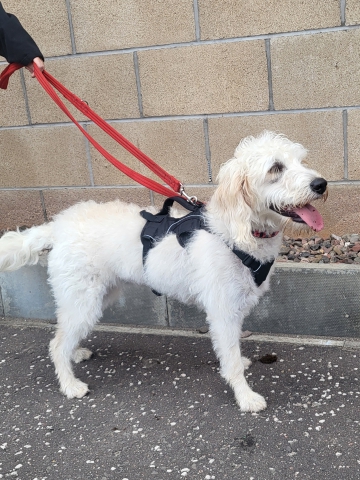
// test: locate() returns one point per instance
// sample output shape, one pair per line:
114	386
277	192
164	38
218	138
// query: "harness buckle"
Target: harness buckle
193	200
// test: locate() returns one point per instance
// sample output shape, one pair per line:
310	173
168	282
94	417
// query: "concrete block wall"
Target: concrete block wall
184	80
304	299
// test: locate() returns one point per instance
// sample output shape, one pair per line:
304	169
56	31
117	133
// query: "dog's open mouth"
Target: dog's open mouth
305	214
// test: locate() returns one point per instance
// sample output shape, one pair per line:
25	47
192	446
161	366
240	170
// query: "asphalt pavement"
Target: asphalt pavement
158	408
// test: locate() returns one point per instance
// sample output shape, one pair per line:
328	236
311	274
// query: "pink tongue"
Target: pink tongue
310	216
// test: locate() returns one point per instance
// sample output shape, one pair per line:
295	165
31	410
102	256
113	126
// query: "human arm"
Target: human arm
16	45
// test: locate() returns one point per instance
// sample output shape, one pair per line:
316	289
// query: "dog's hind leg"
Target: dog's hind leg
225	336
62	350
75	321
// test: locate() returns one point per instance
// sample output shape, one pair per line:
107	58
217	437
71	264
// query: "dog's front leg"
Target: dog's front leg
225	336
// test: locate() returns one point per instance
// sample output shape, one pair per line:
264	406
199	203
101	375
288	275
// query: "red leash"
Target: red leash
48	82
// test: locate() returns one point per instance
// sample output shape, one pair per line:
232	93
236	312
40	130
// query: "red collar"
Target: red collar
258	234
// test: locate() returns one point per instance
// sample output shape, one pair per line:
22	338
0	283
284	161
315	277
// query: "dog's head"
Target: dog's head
265	185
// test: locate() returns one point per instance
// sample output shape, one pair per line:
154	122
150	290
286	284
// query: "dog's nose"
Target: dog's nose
318	185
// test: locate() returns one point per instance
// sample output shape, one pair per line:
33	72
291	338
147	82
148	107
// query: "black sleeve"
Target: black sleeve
16	45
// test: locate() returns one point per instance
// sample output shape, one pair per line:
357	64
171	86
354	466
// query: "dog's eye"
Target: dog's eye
276	168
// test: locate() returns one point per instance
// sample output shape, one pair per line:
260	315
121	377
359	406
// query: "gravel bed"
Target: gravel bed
315	249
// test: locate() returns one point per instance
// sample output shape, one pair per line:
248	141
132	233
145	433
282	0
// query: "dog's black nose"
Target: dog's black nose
318	185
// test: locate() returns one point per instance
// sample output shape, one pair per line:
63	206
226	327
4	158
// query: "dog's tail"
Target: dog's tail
23	248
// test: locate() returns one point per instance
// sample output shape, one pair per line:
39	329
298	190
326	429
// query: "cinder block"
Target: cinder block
60	199
47	23
12	103
20	208
354	145
26	294
239	19
178	146
204	79
106	82
137	306
50	156
312	300
352	13
321	70
321	133
125	24
341	211
184	316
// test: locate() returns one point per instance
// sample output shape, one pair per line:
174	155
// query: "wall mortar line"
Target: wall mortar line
2	309
167	311
152	199
197	20
343	12
26	99
43	205
335	183
207	149
88	157
193	117
345	137
197	43
269	71
71	27
138	84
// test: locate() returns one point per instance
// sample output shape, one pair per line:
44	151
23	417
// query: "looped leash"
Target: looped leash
6	74
47	81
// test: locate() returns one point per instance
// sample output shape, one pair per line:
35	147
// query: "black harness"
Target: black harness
160	224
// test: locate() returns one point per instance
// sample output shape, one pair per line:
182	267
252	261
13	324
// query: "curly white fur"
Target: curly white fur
96	248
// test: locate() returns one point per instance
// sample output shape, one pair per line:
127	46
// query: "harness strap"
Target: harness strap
259	270
159	224
169	202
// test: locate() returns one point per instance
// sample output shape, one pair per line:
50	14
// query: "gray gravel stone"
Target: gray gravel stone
334	249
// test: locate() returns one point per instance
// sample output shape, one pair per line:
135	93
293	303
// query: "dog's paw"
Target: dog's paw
75	389
246	362
81	354
251	402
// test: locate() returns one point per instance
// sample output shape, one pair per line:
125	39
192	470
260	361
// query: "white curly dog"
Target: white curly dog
95	248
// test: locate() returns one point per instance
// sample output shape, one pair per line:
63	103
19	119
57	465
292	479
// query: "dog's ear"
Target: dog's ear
246	191
233	203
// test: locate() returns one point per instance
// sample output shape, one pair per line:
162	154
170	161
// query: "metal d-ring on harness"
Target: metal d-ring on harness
193	200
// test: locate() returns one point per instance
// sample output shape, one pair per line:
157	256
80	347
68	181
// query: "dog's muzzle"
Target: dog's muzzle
306	213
